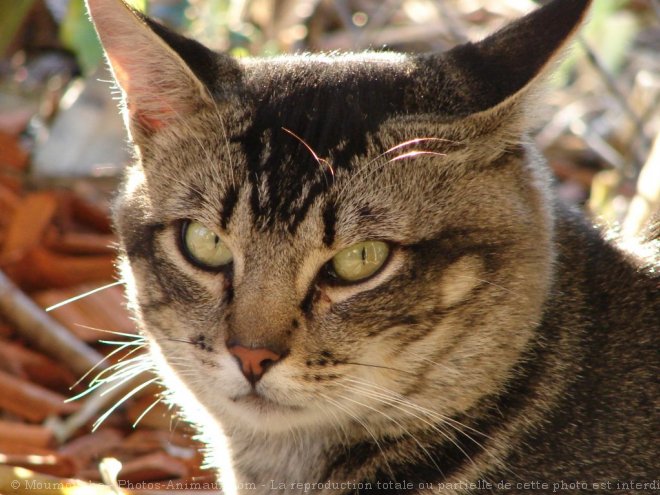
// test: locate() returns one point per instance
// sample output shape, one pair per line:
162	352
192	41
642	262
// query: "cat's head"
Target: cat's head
309	239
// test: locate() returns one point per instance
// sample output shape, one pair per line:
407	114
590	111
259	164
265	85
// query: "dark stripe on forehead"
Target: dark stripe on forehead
329	111
298	214
329	221
228	205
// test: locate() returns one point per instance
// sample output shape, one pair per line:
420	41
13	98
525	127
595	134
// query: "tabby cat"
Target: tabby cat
354	278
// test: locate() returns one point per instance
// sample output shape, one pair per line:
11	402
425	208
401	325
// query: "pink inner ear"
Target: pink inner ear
147	104
159	88
145	121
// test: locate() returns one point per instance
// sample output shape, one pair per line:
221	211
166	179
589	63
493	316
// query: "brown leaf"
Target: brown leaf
27	225
80	243
31	401
153	467
24	435
40	268
50	463
83	450
11	153
36	366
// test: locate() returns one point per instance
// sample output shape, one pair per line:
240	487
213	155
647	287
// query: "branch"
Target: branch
42	331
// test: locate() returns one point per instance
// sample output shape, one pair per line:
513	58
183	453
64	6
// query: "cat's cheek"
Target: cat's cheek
459	279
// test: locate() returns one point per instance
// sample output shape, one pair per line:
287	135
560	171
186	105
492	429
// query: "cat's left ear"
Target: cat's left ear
476	77
147	60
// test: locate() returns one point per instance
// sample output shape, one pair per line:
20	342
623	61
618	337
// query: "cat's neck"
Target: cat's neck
282	461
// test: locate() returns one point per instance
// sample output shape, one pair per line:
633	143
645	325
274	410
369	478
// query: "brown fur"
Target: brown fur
503	341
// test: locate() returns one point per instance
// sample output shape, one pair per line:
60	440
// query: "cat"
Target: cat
354	277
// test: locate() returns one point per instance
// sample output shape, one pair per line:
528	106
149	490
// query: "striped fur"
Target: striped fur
504	340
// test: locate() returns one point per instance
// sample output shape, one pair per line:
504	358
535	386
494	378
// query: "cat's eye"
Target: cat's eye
203	247
360	261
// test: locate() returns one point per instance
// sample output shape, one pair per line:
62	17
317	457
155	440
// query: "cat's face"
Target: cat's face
460	235
310	241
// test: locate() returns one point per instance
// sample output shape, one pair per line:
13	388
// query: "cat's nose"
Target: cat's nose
254	362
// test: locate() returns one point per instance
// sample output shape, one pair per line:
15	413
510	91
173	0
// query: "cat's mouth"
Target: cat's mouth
261	403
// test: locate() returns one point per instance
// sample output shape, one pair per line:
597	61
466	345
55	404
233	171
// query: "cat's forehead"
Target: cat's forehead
309	119
328	100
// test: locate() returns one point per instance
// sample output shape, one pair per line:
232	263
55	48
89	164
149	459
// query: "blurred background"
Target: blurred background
63	148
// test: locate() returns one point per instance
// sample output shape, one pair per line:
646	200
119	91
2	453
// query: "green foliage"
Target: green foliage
77	34
12	16
610	30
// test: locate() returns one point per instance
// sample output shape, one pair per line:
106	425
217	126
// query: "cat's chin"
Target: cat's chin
255	412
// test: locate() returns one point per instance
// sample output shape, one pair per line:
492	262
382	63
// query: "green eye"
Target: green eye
203	247
360	261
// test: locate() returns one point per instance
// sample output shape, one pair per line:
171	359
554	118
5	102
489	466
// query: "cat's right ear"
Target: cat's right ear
158	86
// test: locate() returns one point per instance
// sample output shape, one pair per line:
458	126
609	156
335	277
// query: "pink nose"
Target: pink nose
254	362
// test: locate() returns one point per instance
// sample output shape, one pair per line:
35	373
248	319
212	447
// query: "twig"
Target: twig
42	331
656	7
344	13
30	401
611	85
378	19
597	144
94	403
647	199
454	25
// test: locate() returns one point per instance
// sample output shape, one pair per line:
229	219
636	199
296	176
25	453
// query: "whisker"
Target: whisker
130	394
120	369
185	341
430	361
378	366
489	283
392	402
318	159
129	369
427	411
336	424
80	296
414	154
346	410
146	411
388	417
108	356
444	420
411	154
366	169
408	143
113	332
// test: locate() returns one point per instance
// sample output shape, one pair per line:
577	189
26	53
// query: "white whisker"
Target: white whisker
346	410
146	411
130	394
403	428
81	296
